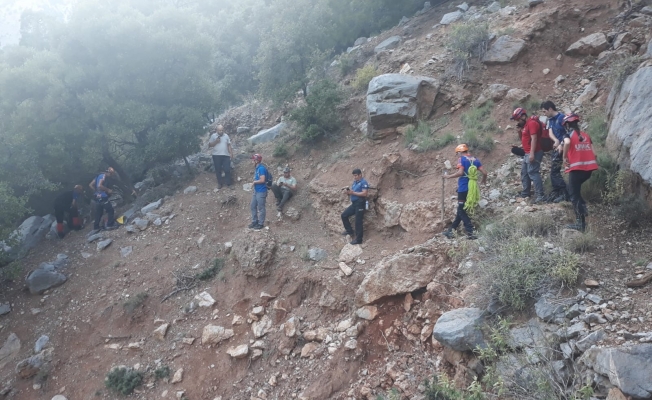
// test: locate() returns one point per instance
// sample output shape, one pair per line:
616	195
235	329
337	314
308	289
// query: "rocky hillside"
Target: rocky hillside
185	302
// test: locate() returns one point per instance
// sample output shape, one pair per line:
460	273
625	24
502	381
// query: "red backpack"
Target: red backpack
544	137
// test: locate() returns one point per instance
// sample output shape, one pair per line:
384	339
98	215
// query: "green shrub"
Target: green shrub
363	76
593	190
210	272
581	243
442	388
346	64
123	380
478	126
134	302
319	116
633	210
538	225
620	69
424	139
280	151
162	372
597	128
467	41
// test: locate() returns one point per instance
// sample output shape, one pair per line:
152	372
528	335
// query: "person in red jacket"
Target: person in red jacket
579	161
530	135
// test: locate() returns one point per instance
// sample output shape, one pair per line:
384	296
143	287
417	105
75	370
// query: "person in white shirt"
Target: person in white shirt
222	155
284	188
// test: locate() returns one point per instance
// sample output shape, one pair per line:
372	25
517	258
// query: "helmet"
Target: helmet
461	148
572	117
257	157
286	169
518	113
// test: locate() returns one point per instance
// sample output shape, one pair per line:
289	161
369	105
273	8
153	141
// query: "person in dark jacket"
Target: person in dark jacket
68	203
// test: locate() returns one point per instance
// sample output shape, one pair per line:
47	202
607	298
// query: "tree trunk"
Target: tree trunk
190	171
124	183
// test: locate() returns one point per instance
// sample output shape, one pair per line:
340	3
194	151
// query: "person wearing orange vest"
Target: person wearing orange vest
579	161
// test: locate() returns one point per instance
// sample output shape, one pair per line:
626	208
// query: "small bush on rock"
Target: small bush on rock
123	380
280	151
422	137
133	303
319	116
581	243
478	126
467	41
210	272
363	76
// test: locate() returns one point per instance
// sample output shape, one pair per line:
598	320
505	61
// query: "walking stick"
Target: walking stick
443	196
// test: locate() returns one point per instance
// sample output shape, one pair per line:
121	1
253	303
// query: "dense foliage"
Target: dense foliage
130	84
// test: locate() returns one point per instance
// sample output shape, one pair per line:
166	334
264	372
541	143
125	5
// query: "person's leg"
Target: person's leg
525	178
59	215
575	187
346	214
254	210
226	166
262	211
359	217
110	222
556	177
287	194
218	170
585	176
75	220
277	193
534	172
99	210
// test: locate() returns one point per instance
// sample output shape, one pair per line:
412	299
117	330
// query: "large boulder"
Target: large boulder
460	329
388	44
267	135
451	17
9	349
420	216
630	138
254	252
394	100
44	277
493	92
400	273
504	50
27	236
628	368
590	91
592	45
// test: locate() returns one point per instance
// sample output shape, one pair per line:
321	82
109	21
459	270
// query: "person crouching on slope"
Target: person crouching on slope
580	162
68	203
468	194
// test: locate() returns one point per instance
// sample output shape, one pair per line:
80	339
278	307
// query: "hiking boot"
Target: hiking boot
538	200
253	225
559	199
95	231
279	209
471	236
219	187
61	235
579	225
355	242
111	228
448	233
259	227
348	233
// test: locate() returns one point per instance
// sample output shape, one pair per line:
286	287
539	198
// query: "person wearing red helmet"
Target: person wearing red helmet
259	197
530	135
580	162
464	162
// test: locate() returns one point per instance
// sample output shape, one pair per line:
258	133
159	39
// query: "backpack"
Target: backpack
545	142
269	178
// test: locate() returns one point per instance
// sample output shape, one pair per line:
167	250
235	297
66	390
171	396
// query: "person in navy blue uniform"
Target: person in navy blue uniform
463	164
358	195
557	130
101	197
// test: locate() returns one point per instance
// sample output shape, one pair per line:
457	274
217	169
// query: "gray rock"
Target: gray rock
129	229
360	41
426	6
9	349
515	371
267	135
141	223
590	91
403	21
316	254
125	251
533	3
549	309
254	254
5	308
594	298
517	95
493	7
647	10
585	343
388	44
460	329
104	244
630	110
464	7
151	207
451	17
594	318
628	368
190	190
352	49
243	129
40	280
41	343
504	50
94	237
27	236
568	349
573	311
592	44
527	336
495	92
566	333
394	100
32	365
561	370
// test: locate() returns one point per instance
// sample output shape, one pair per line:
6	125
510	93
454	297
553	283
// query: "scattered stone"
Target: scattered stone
360	41
86	255
254	254
588	341
317	254
32	365
205	300
351	344
293	213
590	283
460	329
464	7
258	311
504	50
494	7
213	334
627	368
345	269
309	349
160	332
590	91
291	327
238	351
9	349
262	327
125	251
388	44
178	376
141	223
41	342
104	244
407	302
318	335
5	308
367	312
190	190
344	325
594	318
93	238
151	207
451	17
59	397
350	252
548	309
589	45
188	340
44	278
594	298
566	333
517	95
534	3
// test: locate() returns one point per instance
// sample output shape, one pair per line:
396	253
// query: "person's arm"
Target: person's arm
484	174
457	174
292	187
261	179
533	146
213	140
555	141
363	193
566	148
104	188
92	185
230	150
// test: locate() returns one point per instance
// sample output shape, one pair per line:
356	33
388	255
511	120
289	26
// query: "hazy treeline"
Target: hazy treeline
130	84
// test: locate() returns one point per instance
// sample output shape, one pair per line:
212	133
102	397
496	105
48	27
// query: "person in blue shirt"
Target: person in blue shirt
463	164
259	196
101	195
358	195
557	132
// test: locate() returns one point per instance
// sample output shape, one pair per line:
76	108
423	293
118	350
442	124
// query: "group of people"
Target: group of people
571	148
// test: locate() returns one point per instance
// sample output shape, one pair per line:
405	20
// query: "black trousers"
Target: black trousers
61	211
556	178
104	205
222	164
575	181
461	215
282	195
356	208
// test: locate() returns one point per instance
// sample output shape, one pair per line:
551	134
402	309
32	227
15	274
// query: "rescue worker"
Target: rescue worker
68	203
580	162
358	195
464	164
101	197
259	197
530	135
557	134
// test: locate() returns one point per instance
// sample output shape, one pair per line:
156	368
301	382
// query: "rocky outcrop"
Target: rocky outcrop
451	17
47	276
460	329
494	92
26	237
590	91
420	216
255	253
388	44
504	50
592	45
400	273
267	135
630	137
628	368
394	100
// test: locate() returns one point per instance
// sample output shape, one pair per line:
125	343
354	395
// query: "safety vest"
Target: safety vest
580	153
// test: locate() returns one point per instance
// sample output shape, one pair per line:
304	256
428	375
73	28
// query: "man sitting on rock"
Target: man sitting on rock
284	188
